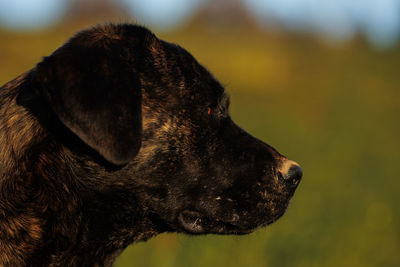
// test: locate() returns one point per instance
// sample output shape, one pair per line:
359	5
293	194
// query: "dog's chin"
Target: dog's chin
195	223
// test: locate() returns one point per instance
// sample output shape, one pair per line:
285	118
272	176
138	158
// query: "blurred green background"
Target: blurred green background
334	107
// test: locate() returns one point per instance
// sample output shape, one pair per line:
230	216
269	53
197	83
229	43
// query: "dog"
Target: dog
118	136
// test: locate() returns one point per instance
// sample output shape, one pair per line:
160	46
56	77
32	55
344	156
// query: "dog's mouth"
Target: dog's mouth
193	222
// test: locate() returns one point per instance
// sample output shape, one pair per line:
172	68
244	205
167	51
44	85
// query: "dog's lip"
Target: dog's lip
194	222
191	221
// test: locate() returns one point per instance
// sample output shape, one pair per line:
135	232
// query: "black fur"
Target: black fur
119	136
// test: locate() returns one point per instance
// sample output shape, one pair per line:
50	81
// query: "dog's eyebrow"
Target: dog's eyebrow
224	101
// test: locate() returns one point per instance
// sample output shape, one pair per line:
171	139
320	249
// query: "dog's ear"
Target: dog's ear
92	83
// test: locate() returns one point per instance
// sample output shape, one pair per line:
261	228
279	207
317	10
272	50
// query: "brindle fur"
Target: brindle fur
66	200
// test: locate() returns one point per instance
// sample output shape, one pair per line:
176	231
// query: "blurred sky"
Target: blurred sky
379	20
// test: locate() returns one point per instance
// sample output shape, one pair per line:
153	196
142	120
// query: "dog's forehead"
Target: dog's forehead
181	78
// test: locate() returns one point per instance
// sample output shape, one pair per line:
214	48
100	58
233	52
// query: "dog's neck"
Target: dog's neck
50	207
17	127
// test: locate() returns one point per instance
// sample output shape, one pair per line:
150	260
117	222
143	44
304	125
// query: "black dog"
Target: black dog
119	136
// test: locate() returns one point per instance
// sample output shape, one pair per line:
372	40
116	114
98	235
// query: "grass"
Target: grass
334	109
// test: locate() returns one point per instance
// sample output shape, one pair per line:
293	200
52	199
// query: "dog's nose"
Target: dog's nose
290	173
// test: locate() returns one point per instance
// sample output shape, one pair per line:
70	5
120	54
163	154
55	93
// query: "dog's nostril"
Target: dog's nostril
291	175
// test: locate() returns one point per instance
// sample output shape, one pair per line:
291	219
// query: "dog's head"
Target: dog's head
150	108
